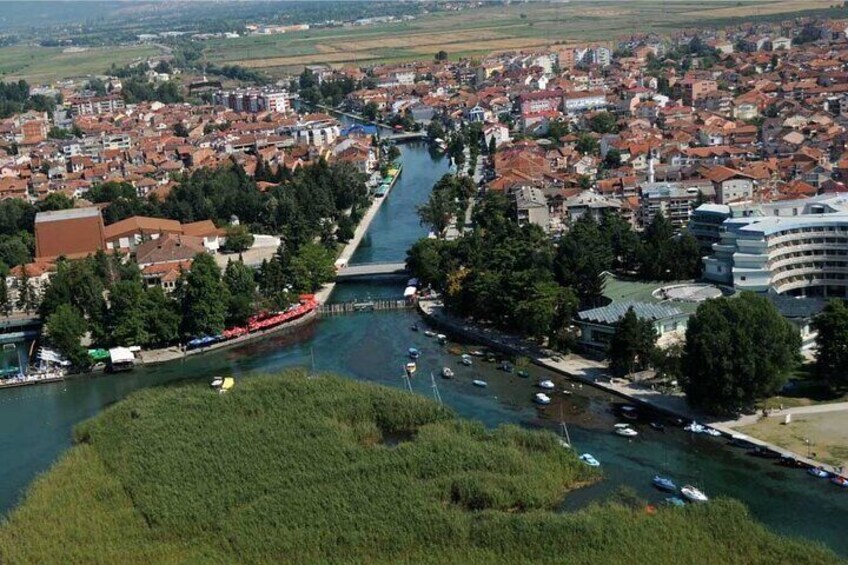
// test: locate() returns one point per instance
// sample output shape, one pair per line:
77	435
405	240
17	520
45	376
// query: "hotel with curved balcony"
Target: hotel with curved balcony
793	248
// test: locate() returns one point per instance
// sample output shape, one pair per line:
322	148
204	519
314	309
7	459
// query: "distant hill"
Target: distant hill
287	469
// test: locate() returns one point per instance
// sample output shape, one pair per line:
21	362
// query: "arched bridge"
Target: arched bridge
371	270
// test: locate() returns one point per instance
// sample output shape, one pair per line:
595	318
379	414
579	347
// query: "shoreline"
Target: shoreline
591	372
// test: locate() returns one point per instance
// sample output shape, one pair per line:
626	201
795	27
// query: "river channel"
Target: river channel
36	421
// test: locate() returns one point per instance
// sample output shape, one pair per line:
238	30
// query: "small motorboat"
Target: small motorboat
818	472
429	333
625	430
478	382
506	367
840	481
414	327
413	353
217	382
490	358
712	432
567	392
664	483
447	373
476	353
547	385
695	428
692	494
523	374
589	460
629	413
411	368
466	360
658	426
675	501
541	398
442	339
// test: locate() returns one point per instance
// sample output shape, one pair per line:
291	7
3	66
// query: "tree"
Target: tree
311	267
238	239
5	300
581	259
633	344
603	122
345	228
424	261
493	146
180	130
587	144
65	328
832	343
203	298
441	56
126	324
738	350
370	111
437	211
161	317
239	280
612	159
27	299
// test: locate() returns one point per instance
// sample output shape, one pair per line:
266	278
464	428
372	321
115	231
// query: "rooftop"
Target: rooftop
614	312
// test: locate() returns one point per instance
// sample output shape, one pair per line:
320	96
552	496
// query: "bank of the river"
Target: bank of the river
595	374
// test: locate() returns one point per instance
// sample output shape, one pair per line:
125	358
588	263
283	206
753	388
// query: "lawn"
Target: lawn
40	65
292	469
826	433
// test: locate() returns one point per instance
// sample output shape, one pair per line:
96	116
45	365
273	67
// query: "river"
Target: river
36	422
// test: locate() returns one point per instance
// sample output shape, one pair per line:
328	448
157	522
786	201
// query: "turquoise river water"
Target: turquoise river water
36	421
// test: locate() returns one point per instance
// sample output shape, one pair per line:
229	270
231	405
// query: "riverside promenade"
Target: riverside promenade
594	373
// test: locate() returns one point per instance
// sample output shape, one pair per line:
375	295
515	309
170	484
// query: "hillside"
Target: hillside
290	469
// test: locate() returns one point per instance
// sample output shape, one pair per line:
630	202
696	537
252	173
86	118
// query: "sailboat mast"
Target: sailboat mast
435	388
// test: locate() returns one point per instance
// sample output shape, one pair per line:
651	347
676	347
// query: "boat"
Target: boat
692	494
695	428
429	333
658	426
442	338
478	382
629	412
476	353
466	360
523	374
490	358
675	501
227	385
818	472
840	481
664	483
625	430
217	382
712	432
567	392
589	460
547	385
414	327
505	366
447	372
410	368
413	353
541	398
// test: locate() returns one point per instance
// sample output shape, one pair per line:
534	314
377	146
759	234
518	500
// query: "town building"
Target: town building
73	233
597	325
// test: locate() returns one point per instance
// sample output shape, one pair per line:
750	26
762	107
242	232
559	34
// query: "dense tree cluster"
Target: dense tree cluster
15	98
831	364
449	198
141	90
328	92
633	345
738	350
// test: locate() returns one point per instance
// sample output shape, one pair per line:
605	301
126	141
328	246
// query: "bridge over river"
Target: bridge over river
371	270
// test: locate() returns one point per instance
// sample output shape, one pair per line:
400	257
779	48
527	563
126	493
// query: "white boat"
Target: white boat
589	460
629	412
217	382
442	338
429	333
466	360
477	353
692	494
541	398
411	368
447	372
625	430
547	385
478	382
712	432
695	428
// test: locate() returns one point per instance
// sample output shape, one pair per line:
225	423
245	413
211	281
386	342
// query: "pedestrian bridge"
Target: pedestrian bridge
370	270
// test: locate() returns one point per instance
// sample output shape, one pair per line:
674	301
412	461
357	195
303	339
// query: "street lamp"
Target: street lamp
807	441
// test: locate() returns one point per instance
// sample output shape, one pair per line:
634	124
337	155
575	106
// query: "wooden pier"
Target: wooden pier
364	306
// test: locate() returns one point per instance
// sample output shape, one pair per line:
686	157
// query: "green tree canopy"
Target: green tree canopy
126	323
238	239
203	298
738	350
633	344
603	122
832	343
311	267
582	258
65	328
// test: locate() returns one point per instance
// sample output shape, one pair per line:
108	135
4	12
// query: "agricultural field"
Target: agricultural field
288	468
40	65
477	32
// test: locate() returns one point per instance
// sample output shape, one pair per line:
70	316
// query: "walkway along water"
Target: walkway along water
36	422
